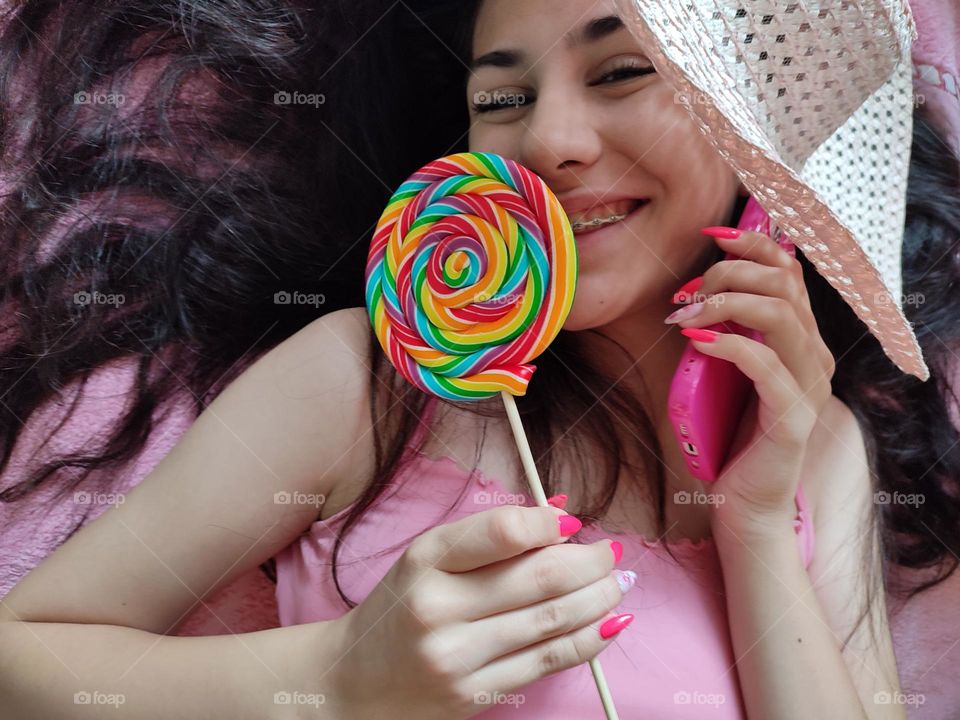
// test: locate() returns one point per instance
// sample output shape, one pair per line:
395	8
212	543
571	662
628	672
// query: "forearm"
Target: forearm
56	670
788	660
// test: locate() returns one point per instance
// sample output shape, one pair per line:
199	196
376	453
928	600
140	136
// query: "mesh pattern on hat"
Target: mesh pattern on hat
812	107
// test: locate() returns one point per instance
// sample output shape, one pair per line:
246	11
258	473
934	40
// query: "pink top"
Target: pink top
675	657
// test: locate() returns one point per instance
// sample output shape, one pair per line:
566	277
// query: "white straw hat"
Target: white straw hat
811	103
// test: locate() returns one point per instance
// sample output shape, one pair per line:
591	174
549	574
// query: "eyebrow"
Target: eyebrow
598	29
593	31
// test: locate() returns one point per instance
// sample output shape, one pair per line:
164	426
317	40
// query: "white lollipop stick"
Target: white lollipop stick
536	487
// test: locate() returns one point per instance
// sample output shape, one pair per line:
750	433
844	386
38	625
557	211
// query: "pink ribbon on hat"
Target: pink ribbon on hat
936	60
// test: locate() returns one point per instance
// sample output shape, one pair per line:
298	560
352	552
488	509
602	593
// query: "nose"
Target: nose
559	139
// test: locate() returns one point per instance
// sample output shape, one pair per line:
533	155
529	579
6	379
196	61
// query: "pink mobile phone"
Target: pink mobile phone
708	395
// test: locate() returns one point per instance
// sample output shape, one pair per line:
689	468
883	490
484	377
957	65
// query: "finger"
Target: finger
746	276
531	578
749	245
483	641
488	537
774	317
784	411
546	658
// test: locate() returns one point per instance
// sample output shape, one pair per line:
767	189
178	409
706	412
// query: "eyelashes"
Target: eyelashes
624	73
500	100
492	101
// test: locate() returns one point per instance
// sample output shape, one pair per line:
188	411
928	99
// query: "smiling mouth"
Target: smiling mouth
582	223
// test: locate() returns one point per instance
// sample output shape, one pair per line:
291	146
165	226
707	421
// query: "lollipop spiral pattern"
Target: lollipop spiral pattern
471	274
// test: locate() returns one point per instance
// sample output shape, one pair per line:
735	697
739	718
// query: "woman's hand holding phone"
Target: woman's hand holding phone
791	370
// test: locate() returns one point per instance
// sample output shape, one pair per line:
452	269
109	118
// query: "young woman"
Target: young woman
769	599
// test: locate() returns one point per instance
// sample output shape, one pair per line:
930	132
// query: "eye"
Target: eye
492	100
624	69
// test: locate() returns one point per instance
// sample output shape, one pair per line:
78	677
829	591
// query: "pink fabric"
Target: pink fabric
678	648
936	60
926	638
926	630
32	528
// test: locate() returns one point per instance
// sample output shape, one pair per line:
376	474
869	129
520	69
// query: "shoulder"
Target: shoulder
314	388
836	470
338	344
838	486
330	357
846	569
342	331
840	492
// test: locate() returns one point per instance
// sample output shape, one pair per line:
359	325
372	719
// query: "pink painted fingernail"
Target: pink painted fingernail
626	579
685	313
569	525
558	501
615	624
617	550
686	291
700	334
728	233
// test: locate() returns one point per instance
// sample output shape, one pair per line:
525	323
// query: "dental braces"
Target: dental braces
597	222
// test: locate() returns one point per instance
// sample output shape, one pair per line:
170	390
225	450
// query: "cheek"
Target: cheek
695	173
661	136
474	138
603	295
493	138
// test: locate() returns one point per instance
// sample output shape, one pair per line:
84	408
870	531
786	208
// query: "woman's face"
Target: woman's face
565	89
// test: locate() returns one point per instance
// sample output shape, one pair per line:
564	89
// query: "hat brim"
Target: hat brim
814	113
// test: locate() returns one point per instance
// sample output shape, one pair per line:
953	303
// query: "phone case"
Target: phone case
708	395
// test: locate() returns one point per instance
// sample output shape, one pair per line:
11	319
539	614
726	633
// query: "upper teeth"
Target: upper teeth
603	214
596	222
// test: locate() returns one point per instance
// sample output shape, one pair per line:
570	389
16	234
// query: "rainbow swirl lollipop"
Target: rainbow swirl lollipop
471	274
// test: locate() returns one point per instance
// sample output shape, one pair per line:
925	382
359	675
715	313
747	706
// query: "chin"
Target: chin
588	315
